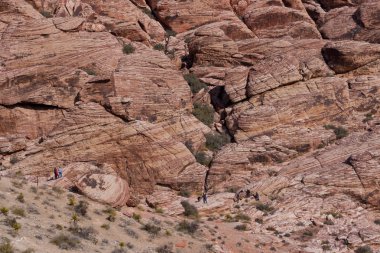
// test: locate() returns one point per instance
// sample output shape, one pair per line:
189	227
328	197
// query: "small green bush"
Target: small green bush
242	217
204	112
170	33
184	193
12	222
66	242
148	12
195	84
6	247
105	226
136	217
190	210
87	233
4	211
203	158
89	72
128	49
264	207
72	200
215	141
151	229
81	208
18	211
159	47
364	249
340	132
188	227
20	198
241	227
46	14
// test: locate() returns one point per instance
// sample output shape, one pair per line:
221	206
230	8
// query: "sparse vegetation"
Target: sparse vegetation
12	222
105	226
188	227
184	193
195	84
189	146
66	241
72	200
46	14
87	233
377	221
266	208
204	112
190	210
241	227
259	220
111	214
151	229
18	211
4	211
167	248
89	71
203	158
364	249
159	47
128	49
340	132
215	141
170	33
20	198
6	247
136	217
81	208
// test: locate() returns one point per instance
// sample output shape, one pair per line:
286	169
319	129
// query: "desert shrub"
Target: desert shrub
130	232
190	210
20	198
66	241
340	132
111	214
148	12
259	220
151	229
82	207
4	211
128	49
266	208
364	249
167	248
188	227
18	211
105	226
195	84
184	193
159	47
307	233
170	33
377	221
136	217
6	247
46	14
214	141
328	222
33	189
12	222
203	158
242	217
72	200
241	227
204	112
17	184
87	233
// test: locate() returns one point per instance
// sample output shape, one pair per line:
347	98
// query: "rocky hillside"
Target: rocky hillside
150	102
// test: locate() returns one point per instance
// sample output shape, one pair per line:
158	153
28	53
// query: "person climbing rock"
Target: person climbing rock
60	172
55	173
204	197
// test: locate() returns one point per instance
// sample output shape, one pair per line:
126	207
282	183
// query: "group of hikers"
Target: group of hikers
58	173
247	194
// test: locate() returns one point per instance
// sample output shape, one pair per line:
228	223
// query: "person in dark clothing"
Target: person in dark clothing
257	197
247	193
55	173
204	197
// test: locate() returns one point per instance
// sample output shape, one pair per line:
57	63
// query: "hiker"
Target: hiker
237	196
247	193
257	197
204	196
55	173
60	172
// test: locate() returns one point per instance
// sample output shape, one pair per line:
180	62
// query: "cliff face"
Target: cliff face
121	94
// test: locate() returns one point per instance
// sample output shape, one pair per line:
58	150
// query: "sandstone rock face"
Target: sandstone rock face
105	90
